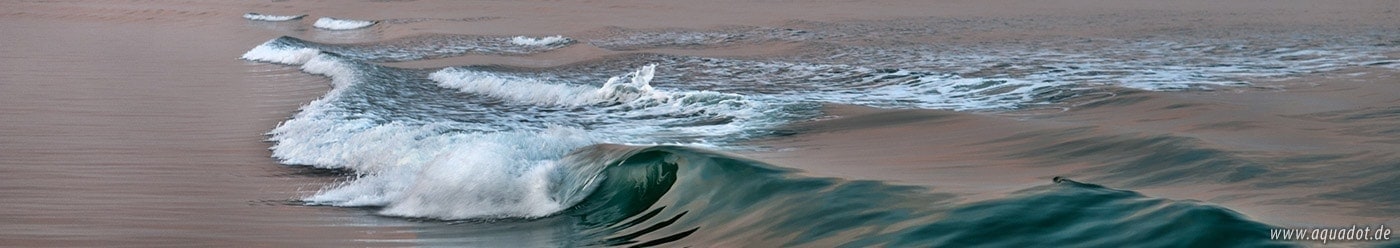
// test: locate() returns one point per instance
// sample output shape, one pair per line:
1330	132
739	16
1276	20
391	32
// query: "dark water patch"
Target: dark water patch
1227	126
1355	182
1060	95
1136	160
1377	123
283	202
1182	105
1381	193
1076	214
1065	133
1121	99
1388	113
1315	158
309	171
1380	179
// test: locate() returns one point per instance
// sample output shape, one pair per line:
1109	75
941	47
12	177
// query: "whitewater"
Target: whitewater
440	123
639	139
463	142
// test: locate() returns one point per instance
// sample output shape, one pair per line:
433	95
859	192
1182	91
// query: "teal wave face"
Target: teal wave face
630	187
687	196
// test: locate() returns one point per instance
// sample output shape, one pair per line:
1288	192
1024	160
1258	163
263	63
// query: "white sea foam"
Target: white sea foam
421	170
430	161
542	41
617	90
430	170
475	175
273	52
271	18
341	24
342	74
629	96
318	137
942	93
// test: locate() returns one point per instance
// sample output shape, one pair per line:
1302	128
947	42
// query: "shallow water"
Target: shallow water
107	143
124	133
483	143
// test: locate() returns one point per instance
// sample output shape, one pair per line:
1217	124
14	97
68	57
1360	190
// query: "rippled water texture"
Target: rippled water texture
120	130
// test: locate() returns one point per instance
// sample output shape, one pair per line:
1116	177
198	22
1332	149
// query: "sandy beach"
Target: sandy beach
136	123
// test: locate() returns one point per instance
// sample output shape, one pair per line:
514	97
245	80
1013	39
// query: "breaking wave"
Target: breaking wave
613	146
653	195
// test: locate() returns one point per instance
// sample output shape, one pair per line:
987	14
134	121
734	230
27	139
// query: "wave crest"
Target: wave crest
271	18
281	51
330	23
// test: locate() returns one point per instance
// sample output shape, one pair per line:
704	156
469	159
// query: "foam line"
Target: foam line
330	23
271	18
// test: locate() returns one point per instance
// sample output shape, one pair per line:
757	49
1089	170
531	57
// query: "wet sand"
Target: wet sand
132	123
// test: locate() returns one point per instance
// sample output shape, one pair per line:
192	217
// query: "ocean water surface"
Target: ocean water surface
196	123
631	151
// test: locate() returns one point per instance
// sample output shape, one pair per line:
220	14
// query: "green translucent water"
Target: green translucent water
680	196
